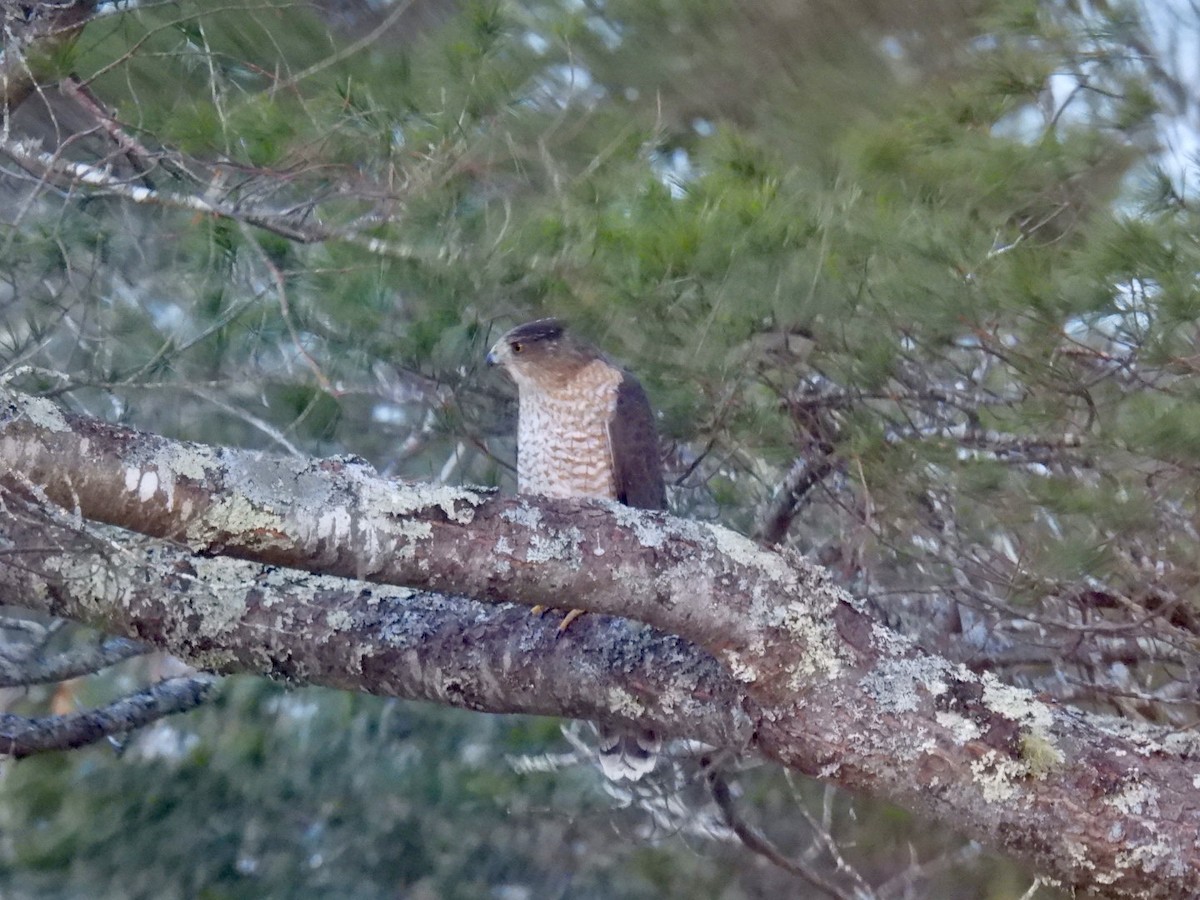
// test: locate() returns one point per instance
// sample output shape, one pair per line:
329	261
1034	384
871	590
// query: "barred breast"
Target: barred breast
562	437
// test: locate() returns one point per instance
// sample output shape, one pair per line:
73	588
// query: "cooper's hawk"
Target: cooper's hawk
585	429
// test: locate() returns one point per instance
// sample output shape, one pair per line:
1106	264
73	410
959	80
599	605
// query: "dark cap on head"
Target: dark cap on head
539	336
537	330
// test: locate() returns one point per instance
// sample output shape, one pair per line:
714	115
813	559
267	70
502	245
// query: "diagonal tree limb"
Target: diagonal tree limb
338	517
1093	802
237	617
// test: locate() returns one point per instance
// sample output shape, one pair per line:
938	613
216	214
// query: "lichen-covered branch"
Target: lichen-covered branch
15	670
233	616
766	617
1092	802
21	737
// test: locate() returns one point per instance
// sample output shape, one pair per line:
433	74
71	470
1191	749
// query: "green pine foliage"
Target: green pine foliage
747	206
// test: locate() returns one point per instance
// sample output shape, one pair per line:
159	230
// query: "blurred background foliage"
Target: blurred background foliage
912	285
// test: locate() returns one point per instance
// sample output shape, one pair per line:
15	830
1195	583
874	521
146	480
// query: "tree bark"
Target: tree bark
746	647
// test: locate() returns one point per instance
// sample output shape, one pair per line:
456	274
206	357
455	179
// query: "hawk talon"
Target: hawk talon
571	616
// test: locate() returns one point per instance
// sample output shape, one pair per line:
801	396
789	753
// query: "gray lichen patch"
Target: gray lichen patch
503	554
562	544
891	643
1157	857
624	703
187	461
104	585
339	620
176	461
788	600
236	516
962	730
743	551
1018	704
1081	858
217	597
545	544
822	651
1040	751
1001	777
998	776
456	503
524	515
267	478
895	681
649	533
334	524
1136	798
897	684
785	610
1149	740
410	534
741	665
41	412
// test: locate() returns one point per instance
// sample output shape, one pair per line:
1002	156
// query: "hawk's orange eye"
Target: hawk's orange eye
516	346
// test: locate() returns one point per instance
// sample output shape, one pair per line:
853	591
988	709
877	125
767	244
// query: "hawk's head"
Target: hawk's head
540	354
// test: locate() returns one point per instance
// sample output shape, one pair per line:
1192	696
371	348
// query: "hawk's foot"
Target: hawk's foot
571	616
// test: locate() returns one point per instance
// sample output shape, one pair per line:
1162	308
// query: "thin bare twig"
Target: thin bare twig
286	224
350	49
757	842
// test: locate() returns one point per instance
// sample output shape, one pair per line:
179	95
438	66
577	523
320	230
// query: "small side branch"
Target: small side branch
86	660
21	736
757	842
806	473
287	224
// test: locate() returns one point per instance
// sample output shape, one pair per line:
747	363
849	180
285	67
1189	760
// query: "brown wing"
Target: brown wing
633	442
628	754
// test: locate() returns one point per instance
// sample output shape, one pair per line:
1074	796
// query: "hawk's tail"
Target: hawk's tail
628	754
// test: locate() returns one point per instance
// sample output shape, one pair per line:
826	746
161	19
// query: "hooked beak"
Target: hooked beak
492	359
